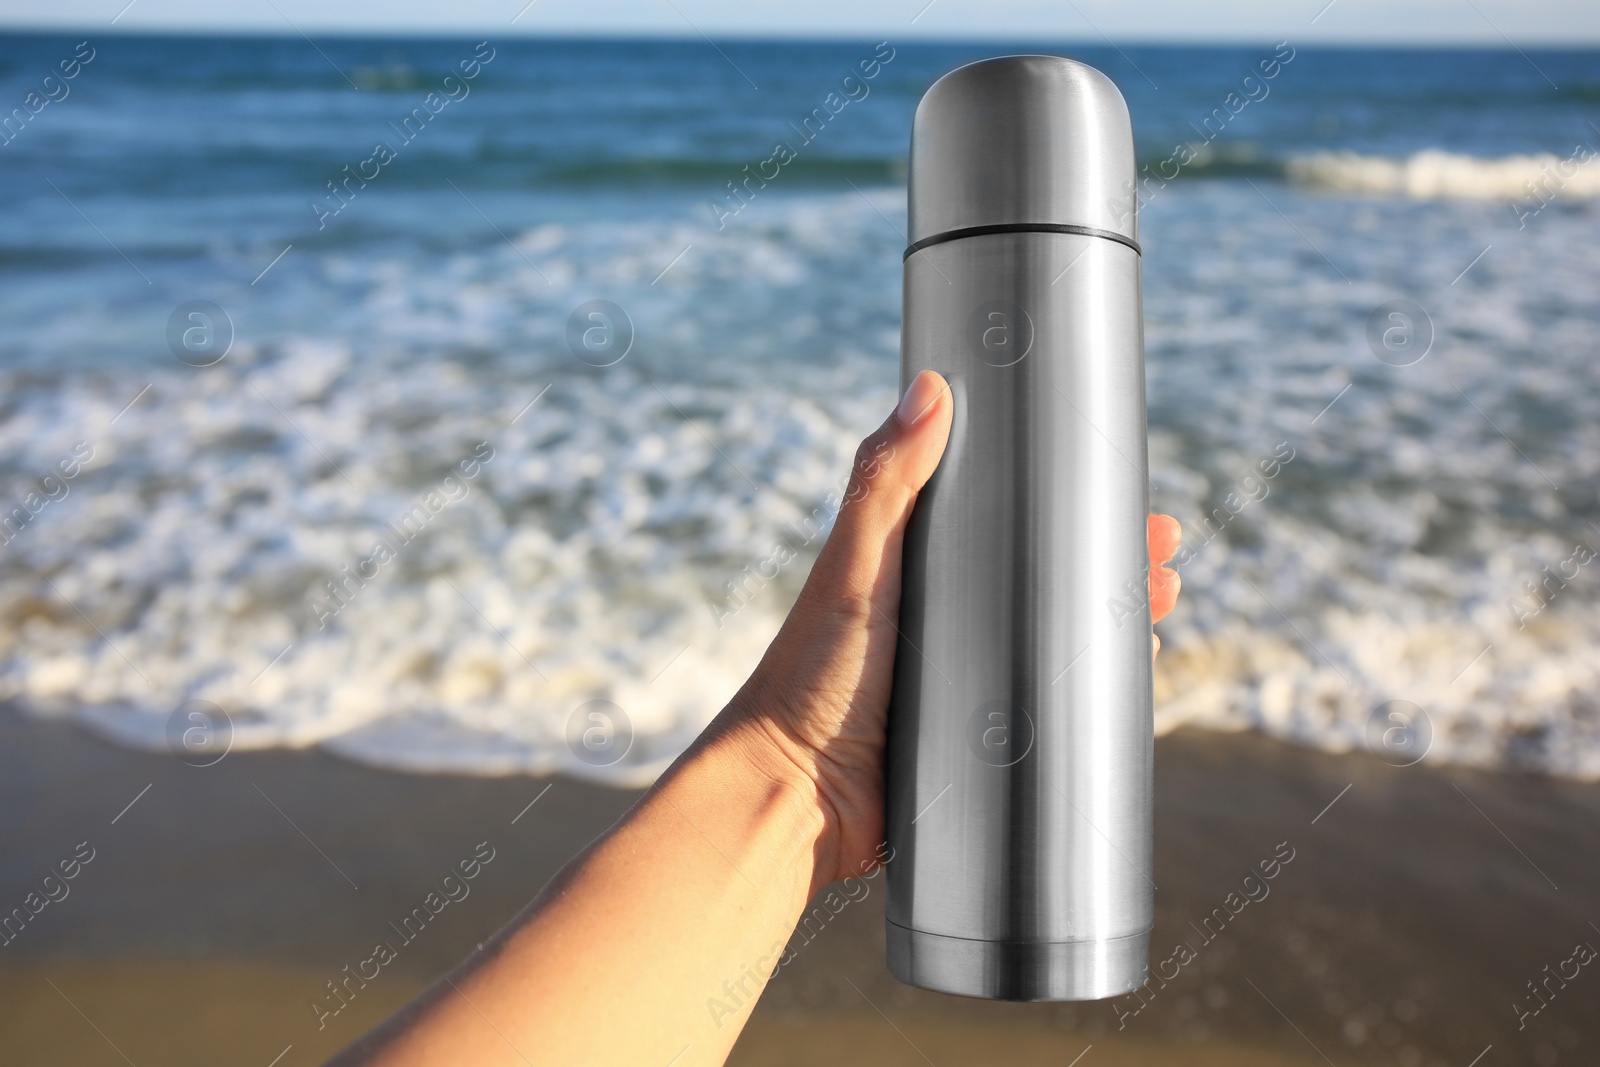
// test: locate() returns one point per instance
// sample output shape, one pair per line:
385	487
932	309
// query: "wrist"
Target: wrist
772	769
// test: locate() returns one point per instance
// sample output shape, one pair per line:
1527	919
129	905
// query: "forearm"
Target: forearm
656	942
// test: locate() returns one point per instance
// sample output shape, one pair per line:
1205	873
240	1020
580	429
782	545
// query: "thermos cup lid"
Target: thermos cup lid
1020	143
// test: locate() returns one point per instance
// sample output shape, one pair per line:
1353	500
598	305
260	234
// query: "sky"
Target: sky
1424	22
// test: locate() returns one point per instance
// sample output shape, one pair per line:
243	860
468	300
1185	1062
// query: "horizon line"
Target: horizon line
781	37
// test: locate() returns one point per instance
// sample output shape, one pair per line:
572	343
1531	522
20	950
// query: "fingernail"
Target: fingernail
919	399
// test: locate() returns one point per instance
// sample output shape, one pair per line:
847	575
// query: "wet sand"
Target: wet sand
218	905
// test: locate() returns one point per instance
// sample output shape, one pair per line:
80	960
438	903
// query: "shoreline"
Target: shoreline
221	901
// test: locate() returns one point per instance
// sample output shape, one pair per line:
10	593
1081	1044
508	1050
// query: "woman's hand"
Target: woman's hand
675	918
821	692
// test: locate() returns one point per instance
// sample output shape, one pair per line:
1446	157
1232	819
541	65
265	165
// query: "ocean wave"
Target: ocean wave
590	558
583	560
1438	175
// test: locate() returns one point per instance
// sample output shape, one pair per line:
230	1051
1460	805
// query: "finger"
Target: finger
1164	586
1164	534
891	467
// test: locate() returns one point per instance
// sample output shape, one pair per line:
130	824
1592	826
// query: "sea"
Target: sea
413	398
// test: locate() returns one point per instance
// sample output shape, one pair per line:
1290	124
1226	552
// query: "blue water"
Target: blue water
591	557
199	158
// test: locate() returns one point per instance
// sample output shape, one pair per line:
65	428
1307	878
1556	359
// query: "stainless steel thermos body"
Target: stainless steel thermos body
1020	729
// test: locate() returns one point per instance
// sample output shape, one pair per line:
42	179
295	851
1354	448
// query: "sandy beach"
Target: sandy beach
1402	927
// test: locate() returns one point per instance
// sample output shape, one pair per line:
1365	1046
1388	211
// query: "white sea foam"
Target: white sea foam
587	558
582	561
1438	175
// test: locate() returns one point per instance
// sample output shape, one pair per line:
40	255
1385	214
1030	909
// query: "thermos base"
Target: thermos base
1018	970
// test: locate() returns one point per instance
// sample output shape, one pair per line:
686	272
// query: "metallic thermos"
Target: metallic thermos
1020	729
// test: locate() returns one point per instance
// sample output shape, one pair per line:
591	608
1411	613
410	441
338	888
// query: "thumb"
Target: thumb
860	564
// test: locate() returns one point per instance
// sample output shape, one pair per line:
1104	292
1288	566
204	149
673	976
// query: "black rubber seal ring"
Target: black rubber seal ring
1021	227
